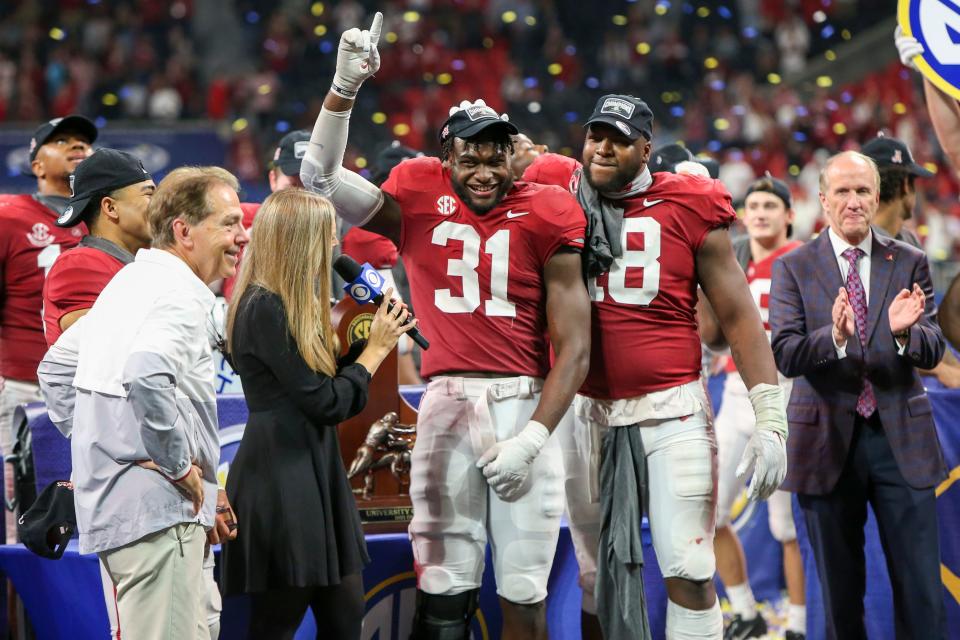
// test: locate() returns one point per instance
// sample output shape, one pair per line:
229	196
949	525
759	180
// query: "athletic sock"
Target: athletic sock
742	601
687	624
797	618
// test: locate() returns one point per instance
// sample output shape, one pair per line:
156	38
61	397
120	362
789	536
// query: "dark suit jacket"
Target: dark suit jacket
823	403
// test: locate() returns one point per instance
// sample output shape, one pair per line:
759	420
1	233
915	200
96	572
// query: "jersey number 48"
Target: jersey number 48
647	259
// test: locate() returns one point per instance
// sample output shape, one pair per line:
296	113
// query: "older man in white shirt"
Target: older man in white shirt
144	437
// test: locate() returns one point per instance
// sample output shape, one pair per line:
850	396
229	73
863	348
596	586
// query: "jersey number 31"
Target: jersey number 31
465	268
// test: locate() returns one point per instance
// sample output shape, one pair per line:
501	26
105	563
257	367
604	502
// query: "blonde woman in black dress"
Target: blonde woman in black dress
299	542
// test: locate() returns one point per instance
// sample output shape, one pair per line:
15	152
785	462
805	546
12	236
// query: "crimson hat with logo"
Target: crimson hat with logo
631	116
471	118
46	527
72	122
891	152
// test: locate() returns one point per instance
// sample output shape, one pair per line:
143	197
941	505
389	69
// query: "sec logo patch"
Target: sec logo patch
359	328
936	25
446	205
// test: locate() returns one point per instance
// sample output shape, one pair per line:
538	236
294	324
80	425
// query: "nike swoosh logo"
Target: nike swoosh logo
511	214
650	203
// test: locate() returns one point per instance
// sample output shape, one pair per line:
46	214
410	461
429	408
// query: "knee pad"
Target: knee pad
688	624
522	570
444	617
521	589
782	529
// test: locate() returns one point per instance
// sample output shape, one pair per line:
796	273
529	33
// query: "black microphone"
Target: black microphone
364	284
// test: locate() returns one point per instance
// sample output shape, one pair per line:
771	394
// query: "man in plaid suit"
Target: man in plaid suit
853	318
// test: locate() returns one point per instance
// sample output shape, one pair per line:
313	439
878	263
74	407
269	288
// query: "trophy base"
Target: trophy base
385	515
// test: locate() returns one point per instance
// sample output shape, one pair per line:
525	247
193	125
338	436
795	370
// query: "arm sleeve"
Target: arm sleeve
56	373
323	399
162	347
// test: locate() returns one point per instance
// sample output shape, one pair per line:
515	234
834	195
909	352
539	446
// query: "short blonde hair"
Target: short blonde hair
183	194
291	256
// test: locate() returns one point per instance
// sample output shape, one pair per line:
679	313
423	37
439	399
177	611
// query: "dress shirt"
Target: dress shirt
863	268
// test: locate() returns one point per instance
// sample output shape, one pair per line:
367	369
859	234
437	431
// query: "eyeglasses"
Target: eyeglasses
216	322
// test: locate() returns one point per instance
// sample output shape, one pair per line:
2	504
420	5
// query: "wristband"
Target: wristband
768	407
342	92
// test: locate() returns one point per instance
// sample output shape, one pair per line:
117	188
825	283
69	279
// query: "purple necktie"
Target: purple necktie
866	402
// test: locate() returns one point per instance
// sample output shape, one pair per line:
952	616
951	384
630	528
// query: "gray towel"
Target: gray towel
621	603
605	221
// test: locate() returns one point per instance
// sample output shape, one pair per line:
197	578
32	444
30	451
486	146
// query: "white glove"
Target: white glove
766	452
357	58
506	464
908	47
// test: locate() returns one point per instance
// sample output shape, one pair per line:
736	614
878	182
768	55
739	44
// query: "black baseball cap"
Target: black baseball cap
105	171
469	121
890	152
631	116
290	151
390	157
713	167
49	523
769	184
45	131
667	157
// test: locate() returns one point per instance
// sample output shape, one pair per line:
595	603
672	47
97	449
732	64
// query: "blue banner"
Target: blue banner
159	150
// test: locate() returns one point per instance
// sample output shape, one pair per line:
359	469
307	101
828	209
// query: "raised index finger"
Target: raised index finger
375	28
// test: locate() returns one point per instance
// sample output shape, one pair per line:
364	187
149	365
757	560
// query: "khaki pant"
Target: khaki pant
160	588
213	604
12	394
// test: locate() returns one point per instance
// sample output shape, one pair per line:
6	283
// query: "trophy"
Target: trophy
387	445
375	444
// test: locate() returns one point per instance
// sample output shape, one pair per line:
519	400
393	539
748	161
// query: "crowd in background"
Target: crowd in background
717	74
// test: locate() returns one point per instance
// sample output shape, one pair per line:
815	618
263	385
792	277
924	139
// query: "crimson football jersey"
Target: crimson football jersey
364	246
249	213
74	282
644	324
758	279
30	241
477	280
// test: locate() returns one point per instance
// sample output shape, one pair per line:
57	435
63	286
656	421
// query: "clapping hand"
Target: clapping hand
906	309
844	323
357	58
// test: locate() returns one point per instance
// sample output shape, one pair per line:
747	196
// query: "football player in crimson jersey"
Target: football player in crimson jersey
653	239
111	192
767	217
494	269
29	243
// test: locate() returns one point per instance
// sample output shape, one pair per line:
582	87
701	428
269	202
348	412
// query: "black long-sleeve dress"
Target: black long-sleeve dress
298	524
